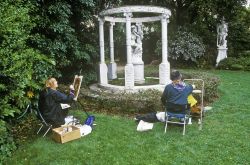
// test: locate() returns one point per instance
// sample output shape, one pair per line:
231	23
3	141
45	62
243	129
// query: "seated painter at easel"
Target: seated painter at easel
50	103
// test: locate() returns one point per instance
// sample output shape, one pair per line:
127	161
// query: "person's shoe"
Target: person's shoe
136	120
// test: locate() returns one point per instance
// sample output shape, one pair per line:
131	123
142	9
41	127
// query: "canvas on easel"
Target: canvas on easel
77	85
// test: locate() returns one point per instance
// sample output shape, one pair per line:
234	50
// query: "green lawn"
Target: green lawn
224	139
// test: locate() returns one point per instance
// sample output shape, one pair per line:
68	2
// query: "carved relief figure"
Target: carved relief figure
136	39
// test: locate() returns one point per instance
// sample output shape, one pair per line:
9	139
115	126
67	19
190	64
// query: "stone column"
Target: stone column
112	67
103	78
129	68
164	68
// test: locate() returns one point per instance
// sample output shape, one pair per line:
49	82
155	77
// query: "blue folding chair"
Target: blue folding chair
177	114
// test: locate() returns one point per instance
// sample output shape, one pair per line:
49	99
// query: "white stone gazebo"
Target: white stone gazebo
134	69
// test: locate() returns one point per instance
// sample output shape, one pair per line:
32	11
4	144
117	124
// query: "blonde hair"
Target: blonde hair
50	83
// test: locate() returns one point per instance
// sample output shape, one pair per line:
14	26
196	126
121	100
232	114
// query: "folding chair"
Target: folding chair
43	123
178	114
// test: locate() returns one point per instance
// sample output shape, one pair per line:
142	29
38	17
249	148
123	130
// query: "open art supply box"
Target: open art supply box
65	134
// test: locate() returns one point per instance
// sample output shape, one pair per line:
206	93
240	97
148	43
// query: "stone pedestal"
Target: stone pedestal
164	73
112	71
138	69
139	73
103	70
129	76
222	54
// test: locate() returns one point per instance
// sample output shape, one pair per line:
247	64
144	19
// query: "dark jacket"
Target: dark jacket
175	96
50	105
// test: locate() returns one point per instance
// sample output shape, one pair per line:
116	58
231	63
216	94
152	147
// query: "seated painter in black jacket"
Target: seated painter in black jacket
50	103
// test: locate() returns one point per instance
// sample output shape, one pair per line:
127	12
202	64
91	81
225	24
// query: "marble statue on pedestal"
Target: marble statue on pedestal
136	52
222	30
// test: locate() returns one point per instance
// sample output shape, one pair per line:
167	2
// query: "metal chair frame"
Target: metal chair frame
43	123
200	90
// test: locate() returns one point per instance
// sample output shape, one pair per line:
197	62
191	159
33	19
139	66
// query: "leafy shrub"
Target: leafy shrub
245	54
22	68
24	129
65	31
6	142
232	63
126	103
237	67
211	83
146	101
226	63
185	46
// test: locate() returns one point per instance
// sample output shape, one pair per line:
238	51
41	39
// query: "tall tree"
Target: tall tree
66	32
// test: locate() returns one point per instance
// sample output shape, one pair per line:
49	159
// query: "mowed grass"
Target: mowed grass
224	139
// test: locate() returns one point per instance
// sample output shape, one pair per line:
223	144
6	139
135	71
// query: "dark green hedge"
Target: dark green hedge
145	101
233	63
